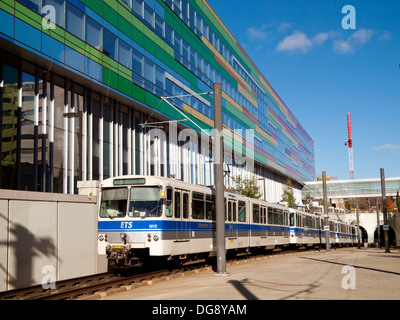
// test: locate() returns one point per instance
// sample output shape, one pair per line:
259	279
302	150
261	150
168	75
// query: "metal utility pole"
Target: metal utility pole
358	225
326	220
384	209
219	180
378	224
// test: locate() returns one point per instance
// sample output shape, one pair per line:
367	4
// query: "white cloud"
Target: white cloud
342	47
300	41
386	36
321	37
296	41
357	39
256	34
362	36
284	26
390	147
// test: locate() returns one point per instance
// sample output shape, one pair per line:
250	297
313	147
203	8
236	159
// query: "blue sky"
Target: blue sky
322	72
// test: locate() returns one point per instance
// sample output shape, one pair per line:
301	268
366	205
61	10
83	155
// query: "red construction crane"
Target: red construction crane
349	143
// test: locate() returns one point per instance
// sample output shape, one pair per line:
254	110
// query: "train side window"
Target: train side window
280	217
177	201
230	203
270	215
210	207
292	219
242	211
225	208
234	211
256	213
198	205
286	218
168	208
298	220
276	216
263	215
185	205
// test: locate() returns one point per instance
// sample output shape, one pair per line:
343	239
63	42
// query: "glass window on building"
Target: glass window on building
149	15
125	54
169	34
95	110
110	44
178	43
137	7
32	4
138	67
159	25
93	33
160	81
58	144
28	133
107	143
59	6
128	3
149	73
125	132
75	21
9	151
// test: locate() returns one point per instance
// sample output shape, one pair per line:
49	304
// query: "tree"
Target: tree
389	204
307	201
287	195
398	201
247	187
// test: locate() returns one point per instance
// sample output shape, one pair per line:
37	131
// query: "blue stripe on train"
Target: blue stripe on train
158	225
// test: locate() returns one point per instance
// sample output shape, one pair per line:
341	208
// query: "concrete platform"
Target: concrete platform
343	274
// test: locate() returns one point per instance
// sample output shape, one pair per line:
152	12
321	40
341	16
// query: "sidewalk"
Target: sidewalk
343	274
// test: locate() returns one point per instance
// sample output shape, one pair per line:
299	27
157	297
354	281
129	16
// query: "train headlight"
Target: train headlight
156	238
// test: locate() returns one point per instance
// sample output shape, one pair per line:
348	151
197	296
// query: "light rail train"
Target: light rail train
145	218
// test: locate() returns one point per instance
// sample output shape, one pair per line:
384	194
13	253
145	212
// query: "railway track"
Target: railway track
85	286
103	284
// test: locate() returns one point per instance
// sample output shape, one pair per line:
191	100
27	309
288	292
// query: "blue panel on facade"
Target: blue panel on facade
78	4
7	23
93	15
52	48
110	27
94	70
74	59
159	10
27	35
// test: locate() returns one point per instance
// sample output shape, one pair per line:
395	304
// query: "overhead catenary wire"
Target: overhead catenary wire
164	98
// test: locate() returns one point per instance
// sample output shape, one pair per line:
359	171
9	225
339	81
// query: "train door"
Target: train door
181	214
318	227
232	231
263	220
299	223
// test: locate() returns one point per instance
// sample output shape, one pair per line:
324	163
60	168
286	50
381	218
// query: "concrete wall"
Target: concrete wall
42	230
369	222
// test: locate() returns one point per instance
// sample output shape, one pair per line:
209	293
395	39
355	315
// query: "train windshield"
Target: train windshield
113	203
145	202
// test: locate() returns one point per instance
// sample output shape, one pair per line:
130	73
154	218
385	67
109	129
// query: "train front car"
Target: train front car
130	223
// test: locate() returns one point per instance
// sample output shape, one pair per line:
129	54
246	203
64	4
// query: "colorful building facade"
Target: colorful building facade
81	87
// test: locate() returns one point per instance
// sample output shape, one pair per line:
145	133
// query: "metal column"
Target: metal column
219	180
